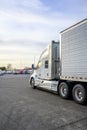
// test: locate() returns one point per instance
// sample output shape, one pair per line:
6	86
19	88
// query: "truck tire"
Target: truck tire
32	83
79	94
64	90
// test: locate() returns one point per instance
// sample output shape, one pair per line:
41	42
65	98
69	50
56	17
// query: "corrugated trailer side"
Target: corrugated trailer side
73	62
73	42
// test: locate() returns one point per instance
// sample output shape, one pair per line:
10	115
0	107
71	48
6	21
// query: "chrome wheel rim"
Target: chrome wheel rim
63	90
79	94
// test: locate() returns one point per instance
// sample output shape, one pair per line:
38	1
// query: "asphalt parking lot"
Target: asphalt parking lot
22	108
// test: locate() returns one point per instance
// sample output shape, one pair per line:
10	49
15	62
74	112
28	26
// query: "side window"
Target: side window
46	64
39	64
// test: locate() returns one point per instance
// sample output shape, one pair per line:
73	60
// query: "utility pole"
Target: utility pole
34	61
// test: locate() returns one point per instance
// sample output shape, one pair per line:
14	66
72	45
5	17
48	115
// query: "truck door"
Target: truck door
46	68
43	65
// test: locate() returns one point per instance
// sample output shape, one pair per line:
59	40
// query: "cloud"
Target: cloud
23	5
20	52
27	27
16	25
22	21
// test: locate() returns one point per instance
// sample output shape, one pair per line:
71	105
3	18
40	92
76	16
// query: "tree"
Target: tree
9	67
3	68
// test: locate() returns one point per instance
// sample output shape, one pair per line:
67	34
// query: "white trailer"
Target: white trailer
62	66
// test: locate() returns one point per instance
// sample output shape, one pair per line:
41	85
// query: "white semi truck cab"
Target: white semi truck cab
62	66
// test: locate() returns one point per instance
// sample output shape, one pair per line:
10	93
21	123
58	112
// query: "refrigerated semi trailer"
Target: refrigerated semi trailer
62	66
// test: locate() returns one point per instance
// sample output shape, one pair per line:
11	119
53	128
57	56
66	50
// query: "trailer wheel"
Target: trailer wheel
79	94
32	83
64	90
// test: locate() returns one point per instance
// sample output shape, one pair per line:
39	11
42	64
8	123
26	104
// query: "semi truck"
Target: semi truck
62	66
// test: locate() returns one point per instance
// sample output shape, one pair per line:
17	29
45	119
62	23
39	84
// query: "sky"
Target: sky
28	26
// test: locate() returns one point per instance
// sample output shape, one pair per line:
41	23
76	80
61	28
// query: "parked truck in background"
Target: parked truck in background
62	66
